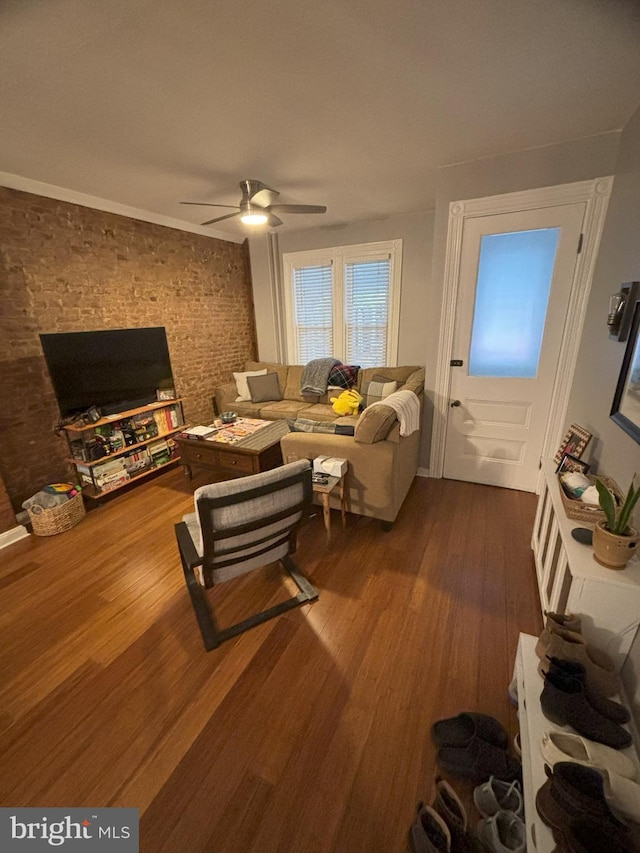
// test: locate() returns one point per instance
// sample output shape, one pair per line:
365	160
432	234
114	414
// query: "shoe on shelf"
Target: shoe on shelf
566	746
478	761
449	806
607	707
495	796
516	745
563	702
600	670
622	795
568	621
461	730
573	791
429	833
504	832
589	835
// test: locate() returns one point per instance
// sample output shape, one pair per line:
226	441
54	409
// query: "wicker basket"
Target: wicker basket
580	511
57	519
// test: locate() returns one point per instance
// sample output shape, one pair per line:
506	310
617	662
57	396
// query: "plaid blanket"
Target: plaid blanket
344	376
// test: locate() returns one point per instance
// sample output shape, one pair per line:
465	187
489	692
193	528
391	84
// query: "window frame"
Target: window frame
338	257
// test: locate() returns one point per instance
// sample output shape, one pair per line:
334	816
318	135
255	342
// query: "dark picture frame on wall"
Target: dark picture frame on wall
625	410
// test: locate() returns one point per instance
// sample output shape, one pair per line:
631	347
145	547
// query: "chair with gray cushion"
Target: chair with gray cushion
241	525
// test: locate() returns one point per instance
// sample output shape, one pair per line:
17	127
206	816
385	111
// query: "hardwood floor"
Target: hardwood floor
308	734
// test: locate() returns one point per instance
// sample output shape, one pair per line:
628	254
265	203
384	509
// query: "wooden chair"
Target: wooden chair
241	525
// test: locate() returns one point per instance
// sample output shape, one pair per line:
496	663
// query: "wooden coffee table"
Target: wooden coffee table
253	454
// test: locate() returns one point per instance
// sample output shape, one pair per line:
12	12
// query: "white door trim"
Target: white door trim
595	194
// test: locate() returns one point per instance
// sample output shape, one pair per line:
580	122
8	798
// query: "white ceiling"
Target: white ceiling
349	103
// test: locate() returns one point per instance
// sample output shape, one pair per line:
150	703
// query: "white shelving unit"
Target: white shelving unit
533	724
571	581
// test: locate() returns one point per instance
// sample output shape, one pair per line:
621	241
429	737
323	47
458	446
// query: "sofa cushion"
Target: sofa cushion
376	390
271	367
292	388
244	395
282	409
265	388
319	412
397	374
307	425
414	382
374	424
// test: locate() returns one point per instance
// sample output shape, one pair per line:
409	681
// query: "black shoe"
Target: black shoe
612	710
563	701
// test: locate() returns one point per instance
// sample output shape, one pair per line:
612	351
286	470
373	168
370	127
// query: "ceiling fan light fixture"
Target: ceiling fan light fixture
252	217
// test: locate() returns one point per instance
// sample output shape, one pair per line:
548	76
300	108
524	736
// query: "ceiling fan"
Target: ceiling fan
257	206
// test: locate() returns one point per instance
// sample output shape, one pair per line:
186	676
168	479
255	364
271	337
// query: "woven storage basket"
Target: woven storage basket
57	519
580	511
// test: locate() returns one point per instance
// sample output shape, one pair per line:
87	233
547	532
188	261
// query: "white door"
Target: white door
516	272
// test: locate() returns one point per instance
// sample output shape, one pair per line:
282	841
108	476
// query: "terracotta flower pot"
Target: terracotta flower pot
611	550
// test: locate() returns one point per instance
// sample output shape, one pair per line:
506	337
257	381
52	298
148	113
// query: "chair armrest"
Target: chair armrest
190	556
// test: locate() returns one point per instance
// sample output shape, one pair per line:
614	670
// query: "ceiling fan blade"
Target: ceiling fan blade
298	208
264	197
273	221
220	218
210	204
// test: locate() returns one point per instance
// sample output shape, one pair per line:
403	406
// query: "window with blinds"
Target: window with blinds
366	312
344	303
313	309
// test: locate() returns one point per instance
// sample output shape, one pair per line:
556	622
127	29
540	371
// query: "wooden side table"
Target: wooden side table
325	491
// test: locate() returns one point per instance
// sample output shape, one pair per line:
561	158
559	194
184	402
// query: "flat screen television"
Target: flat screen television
114	369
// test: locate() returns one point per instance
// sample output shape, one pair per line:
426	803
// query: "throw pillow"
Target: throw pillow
264	388
374	424
343	376
379	388
244	395
307	425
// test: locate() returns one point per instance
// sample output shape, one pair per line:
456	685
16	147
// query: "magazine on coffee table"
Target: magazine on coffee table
239	429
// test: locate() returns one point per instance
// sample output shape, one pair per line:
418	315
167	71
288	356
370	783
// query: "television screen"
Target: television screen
115	369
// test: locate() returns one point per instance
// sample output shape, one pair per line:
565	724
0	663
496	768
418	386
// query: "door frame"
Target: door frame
595	194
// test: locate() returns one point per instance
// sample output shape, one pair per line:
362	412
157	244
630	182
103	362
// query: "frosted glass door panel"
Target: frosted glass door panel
512	293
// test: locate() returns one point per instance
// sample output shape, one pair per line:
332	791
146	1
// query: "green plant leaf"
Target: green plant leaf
627	508
607	505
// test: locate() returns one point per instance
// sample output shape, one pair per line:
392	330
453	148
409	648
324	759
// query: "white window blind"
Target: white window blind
367	291
313	308
343	303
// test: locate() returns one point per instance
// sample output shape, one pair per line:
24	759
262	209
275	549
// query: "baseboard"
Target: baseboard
13	535
422	472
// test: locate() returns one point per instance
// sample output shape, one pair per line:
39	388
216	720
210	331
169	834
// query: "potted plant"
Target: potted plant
614	540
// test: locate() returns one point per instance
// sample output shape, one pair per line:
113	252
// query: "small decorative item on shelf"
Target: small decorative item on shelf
614	540
574	443
165	394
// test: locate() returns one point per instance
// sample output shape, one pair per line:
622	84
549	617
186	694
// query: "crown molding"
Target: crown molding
17	182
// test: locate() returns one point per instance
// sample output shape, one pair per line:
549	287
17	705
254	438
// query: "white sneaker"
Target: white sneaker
497	796
565	746
503	833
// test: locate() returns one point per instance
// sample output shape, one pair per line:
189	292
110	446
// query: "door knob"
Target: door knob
455	403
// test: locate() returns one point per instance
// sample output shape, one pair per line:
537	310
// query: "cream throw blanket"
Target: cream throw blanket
407	407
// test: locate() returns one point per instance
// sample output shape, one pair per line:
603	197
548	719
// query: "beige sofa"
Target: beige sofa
382	463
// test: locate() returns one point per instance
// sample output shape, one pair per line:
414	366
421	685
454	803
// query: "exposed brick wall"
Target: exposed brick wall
7	516
67	268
